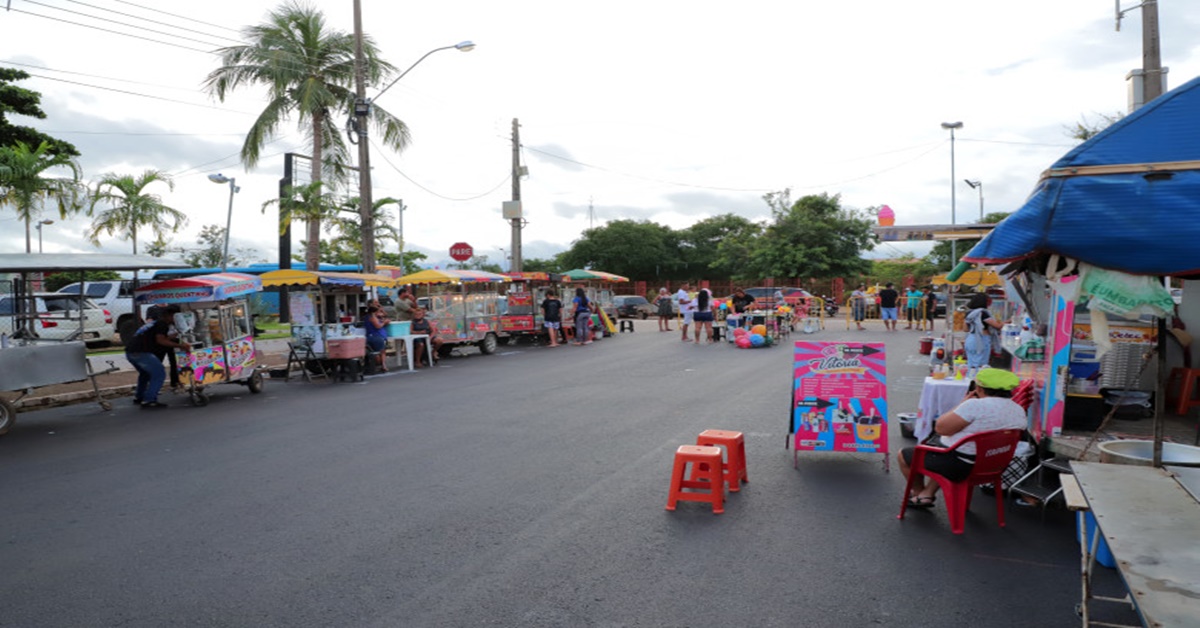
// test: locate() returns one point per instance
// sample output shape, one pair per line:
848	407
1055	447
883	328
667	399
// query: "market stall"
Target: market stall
215	320
464	305
521	315
598	286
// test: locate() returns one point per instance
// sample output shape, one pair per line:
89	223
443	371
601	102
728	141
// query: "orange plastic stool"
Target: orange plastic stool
1185	400
706	474
734	467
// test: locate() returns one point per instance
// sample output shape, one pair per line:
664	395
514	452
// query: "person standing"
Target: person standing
888	306
405	304
741	301
931	303
912	310
703	316
583	318
858	305
145	352
665	309
552	316
980	323
687	308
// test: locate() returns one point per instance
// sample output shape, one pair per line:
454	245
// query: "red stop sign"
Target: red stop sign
461	251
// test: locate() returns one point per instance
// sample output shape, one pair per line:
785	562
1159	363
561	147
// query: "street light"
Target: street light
233	189
362	109
953	219
977	185
39	228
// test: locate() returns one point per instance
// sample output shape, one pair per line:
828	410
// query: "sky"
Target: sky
664	111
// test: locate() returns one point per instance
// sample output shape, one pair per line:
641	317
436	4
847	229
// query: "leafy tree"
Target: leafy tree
627	247
25	102
700	245
131	207
56	281
310	204
308	70
25	184
212	250
897	269
1086	129
939	255
812	237
411	263
348	230
537	265
480	262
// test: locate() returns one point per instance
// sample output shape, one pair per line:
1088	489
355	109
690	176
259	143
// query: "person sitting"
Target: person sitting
741	301
988	407
375	322
424	326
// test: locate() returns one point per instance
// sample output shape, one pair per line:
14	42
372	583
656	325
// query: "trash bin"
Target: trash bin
926	345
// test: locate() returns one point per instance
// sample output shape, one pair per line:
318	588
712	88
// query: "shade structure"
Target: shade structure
289	277
534	276
583	274
1128	199
72	262
215	287
434	275
971	278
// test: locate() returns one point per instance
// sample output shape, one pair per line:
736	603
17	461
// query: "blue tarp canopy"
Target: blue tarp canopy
1127	199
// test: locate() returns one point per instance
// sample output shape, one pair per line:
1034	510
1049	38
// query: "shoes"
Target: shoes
154	404
920	501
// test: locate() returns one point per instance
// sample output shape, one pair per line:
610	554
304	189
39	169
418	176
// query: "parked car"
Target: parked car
765	297
633	306
58	318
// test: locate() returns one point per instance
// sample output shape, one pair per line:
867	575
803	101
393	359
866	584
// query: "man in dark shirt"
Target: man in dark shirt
552	317
741	301
145	352
887	306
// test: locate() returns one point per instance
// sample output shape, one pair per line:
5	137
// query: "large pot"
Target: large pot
1141	452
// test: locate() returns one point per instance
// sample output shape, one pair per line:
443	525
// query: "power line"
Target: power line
179	16
127	92
380	152
106	78
108	30
642	178
120	23
146	19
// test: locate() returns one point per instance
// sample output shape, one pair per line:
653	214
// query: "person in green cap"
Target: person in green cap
986	408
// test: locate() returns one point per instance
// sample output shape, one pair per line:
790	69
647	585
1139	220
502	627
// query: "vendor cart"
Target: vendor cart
215	321
522	314
598	286
464	305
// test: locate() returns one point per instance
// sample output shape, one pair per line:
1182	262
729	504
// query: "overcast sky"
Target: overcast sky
665	111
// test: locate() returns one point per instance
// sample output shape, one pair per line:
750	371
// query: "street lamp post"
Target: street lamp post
233	189
977	185
39	228
953	219
362	109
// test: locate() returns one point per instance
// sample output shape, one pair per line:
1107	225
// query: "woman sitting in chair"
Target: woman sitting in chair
988	407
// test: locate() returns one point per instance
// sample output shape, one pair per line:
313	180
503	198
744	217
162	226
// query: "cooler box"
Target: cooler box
345	348
398	328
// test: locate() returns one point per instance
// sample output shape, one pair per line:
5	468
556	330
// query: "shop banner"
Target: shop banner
839	397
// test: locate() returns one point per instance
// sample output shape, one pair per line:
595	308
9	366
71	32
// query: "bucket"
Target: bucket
926	345
1141	453
908	422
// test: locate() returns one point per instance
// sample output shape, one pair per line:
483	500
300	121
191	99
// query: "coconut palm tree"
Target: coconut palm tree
131	207
350	229
307	203
308	70
25	186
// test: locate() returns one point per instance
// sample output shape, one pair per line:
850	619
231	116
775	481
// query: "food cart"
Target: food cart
598	286
522	315
464	305
215	321
324	309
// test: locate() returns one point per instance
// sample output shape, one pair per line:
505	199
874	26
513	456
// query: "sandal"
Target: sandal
920	501
154	404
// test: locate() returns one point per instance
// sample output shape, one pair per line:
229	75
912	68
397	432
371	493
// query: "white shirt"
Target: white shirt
686	303
985	415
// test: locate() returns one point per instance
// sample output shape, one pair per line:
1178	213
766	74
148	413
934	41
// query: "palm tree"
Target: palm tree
25	186
350	229
131	207
308	71
307	203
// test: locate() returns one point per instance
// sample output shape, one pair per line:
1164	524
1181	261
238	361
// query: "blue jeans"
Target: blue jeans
978	349
583	327
151	375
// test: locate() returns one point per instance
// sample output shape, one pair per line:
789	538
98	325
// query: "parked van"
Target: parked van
116	296
58	318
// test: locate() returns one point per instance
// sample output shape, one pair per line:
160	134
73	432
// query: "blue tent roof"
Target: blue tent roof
1127	199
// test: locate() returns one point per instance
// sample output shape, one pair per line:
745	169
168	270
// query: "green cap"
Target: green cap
996	379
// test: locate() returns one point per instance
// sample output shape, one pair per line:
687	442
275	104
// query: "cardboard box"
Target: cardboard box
345	348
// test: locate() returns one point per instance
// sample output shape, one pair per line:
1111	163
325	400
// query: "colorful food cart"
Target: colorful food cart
522	314
215	321
464	305
598	285
324	308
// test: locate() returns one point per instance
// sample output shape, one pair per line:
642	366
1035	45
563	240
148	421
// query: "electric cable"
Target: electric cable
383	155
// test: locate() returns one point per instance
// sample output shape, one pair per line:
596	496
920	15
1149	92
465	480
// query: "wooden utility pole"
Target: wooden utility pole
362	107
516	196
1152	70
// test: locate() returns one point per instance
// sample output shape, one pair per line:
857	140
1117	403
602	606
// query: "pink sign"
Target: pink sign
839	397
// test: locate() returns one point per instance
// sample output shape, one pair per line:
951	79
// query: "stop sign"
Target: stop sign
461	251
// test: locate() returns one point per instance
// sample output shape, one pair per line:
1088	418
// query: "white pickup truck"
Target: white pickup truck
57	317
115	296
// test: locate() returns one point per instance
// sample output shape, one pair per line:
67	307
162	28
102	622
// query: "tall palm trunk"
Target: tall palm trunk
312	249
28	240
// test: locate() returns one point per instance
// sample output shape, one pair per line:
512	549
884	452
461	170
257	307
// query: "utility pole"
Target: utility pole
516	196
362	107
1151	58
403	271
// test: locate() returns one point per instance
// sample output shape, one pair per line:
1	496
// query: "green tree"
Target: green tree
939	255
1085	129
700	245
308	70
812	237
212	250
310	204
25	183
24	102
410	264
131	207
627	247
347	226
537	265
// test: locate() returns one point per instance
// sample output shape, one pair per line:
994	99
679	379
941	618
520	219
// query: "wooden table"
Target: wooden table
1152	526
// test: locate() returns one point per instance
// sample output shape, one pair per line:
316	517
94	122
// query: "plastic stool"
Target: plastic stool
706	472
1185	400
626	325
734	467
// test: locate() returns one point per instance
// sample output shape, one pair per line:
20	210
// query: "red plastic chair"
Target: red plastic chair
993	451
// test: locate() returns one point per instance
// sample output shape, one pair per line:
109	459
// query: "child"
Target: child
552	316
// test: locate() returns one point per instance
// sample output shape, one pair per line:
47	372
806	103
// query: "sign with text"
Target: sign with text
839	397
461	251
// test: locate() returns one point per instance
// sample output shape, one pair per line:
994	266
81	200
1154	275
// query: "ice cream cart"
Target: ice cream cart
214	319
464	305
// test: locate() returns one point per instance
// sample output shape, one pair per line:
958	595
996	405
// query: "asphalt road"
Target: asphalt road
520	489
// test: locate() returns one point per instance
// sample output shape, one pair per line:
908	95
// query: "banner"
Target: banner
839	397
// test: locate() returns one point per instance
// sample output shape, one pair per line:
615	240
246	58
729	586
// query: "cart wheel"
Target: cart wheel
255	383
487	346
8	416
199	398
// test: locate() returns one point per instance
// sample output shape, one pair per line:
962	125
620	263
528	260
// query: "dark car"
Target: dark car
633	306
